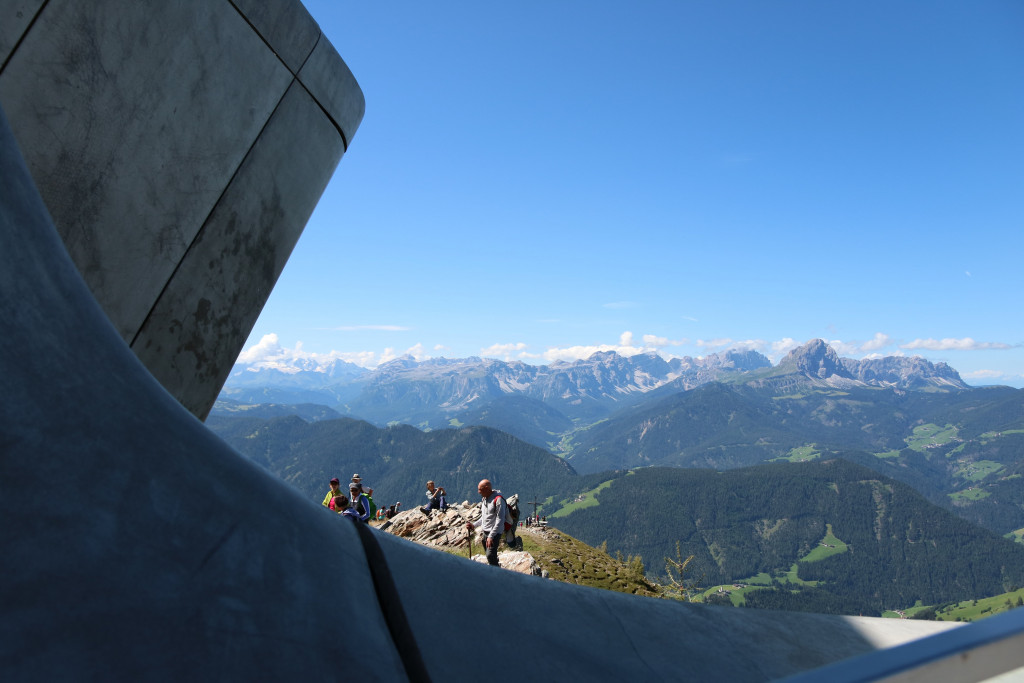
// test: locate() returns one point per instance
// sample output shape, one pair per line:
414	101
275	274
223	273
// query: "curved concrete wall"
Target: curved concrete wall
180	148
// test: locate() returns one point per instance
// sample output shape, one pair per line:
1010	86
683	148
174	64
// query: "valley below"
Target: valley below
820	484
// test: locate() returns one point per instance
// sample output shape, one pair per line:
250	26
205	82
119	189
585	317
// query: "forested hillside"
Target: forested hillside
395	461
765	519
728	425
762	521
963	450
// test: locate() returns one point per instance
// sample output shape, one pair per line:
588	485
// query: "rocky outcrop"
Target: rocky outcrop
904	373
447	531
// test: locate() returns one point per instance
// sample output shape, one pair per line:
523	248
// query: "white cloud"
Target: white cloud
843	348
653	341
749	345
713	344
416	351
950	344
778	349
878	342
504	351
572	353
268	352
627	346
982	374
267	348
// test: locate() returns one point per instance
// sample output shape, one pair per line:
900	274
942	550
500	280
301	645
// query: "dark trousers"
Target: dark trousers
492	550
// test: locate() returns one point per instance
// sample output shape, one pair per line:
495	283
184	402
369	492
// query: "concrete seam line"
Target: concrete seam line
391	607
209	214
21	38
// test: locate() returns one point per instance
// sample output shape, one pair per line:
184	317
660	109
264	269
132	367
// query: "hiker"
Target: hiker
332	493
492	519
363	489
336	503
343	507
435	499
360	503
368	492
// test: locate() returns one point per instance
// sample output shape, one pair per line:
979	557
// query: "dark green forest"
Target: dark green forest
883	499
396	461
765	518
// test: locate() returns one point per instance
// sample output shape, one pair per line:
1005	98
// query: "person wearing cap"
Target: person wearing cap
360	503
332	493
356	479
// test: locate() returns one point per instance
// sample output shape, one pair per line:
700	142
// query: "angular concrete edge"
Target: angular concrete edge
143	125
289	30
221	283
285	26
330	82
15	17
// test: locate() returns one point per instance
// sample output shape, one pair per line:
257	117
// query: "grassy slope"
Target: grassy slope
572	561
829	545
569	560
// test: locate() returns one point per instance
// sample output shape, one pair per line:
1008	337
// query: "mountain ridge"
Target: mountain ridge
440	392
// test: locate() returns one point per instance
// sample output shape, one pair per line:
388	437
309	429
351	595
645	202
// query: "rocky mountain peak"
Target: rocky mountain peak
816	359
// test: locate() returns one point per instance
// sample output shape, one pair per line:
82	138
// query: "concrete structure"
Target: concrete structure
134	544
180	148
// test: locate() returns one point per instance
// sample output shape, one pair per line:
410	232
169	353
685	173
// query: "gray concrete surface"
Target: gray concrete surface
138	119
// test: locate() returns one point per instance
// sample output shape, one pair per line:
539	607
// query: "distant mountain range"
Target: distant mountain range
549	399
960	447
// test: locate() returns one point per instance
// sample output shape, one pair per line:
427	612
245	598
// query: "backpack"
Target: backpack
511	521
359	507
373	506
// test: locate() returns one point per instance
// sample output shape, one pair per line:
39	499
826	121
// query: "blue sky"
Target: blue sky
540	180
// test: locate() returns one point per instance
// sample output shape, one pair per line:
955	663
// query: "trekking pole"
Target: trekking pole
469	538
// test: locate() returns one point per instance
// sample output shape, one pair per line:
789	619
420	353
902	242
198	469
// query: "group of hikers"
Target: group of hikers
494	522
357	506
